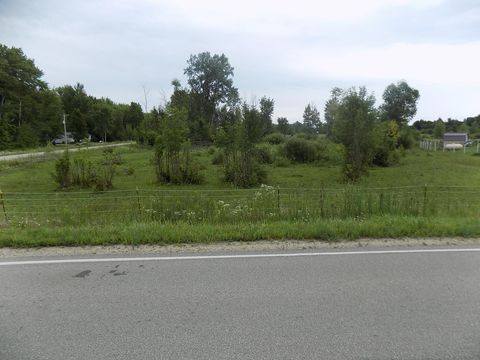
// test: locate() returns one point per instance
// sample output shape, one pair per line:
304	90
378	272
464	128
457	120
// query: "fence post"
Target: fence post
278	197
138	202
3	206
425	200
322	201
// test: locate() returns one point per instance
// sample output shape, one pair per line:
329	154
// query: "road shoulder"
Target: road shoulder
226	247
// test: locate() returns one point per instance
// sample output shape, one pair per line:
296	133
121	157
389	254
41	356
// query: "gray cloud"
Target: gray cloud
288	53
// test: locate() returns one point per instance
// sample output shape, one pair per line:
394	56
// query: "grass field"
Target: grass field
427	194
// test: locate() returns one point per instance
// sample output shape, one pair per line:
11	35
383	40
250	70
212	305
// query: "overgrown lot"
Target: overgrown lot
427	194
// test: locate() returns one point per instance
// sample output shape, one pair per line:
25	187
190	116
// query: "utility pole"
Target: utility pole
65	129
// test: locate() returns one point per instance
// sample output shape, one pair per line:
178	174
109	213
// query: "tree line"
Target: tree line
31	112
208	110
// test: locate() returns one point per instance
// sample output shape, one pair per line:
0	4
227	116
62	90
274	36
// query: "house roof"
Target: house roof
455	137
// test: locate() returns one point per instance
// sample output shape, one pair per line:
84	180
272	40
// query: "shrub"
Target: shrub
275	138
245	173
407	138
218	158
300	150
176	167
62	171
306	136
386	149
281	161
129	170
263	154
83	173
330	152
211	150
110	156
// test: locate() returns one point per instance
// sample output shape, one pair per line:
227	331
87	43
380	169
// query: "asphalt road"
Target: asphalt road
351	306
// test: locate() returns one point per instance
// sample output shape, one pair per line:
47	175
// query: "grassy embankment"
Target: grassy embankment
390	202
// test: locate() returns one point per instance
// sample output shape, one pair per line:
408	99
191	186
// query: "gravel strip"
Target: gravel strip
275	245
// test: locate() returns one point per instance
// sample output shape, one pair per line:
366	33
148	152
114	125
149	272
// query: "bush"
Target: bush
128	171
218	158
176	167
330	152
275	138
62	171
281	161
245	174
112	157
83	173
306	136
263	154
406	138
211	150
300	150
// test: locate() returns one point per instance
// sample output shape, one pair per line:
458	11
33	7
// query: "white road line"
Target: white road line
238	256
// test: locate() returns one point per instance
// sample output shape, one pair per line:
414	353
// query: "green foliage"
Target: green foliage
354	126
26	137
386	150
211	86
281	161
407	138
218	158
62	174
311	119
245	172
83	173
238	142
400	103
266	112
211	150
172	158
263	154
330	110
283	126
300	150
439	129
275	138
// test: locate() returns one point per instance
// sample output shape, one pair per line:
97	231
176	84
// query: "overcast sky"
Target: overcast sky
292	51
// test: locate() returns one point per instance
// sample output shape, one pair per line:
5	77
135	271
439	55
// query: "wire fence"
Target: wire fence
234	205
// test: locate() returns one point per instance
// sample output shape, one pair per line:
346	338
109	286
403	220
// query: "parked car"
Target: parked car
61	140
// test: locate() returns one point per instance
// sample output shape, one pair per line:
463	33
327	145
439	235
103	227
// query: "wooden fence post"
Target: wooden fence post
138	202
425	200
2	200
278	198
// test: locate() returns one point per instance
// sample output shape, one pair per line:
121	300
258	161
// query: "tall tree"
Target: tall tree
19	77
330	109
354	126
400	103
211	79
266	112
311	119
283	125
20	86
439	129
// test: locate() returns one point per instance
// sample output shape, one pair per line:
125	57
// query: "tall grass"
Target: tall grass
136	233
265	204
